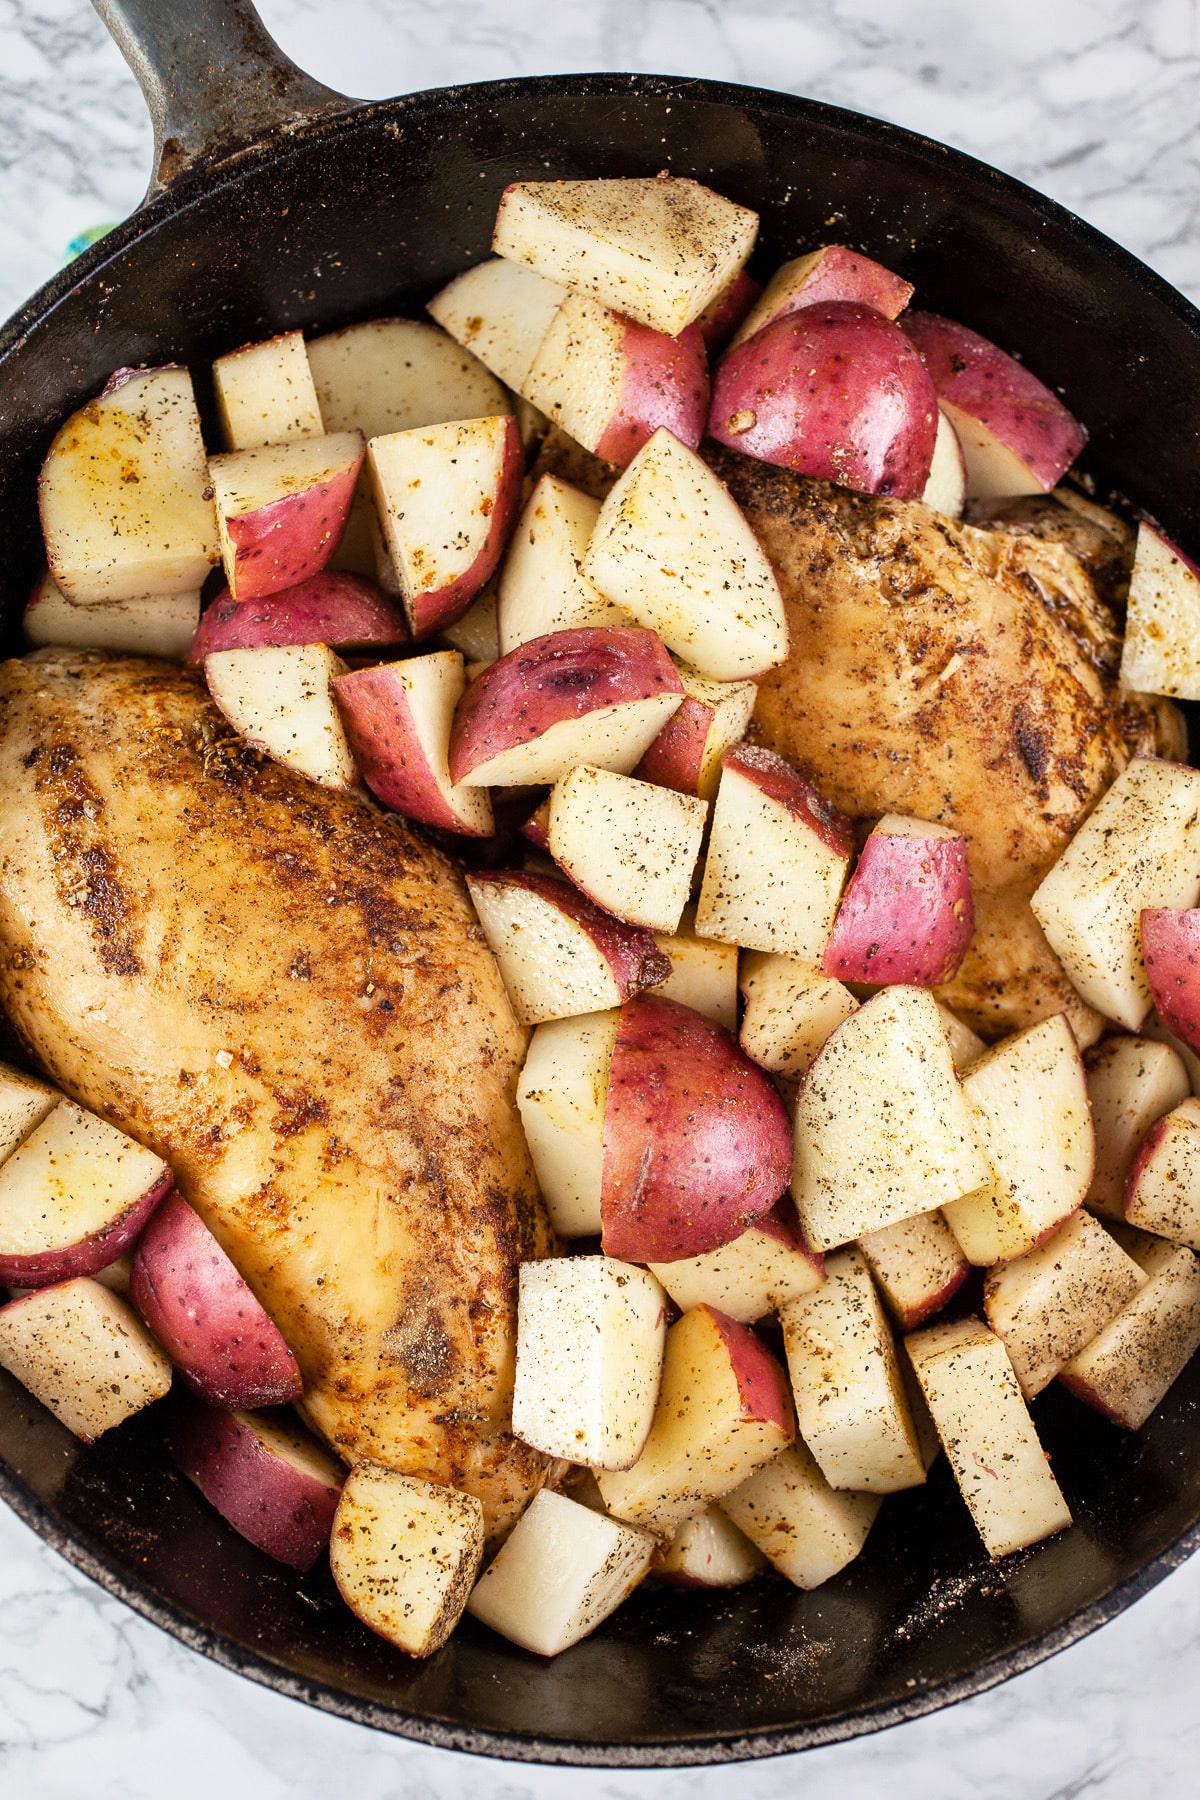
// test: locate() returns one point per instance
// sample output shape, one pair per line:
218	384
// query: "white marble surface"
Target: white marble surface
1098	103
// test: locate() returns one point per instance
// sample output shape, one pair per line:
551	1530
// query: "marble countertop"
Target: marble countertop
1096	102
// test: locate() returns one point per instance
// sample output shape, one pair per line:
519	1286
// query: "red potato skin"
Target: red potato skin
908	1318
1145	1154
907	915
1171	953
697	1143
783	1224
343	611
762	1385
676	757
984	381
834	391
391	758
664	382
536	827
47	1267
224	1344
563	675
634	959
843	274
779	781
280	545
432	609
722	316
1083	1390
275	1506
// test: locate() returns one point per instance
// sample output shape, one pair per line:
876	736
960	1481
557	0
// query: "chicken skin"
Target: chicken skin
955	674
286	995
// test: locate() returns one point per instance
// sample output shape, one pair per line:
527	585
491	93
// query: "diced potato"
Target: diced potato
1049	1304
656	248
562	1572
280	700
918	1265
710	1551
966	1046
757	1273
850	1403
703	972
590	1338
541	586
561	1096
1163	1191
499	311
1140	848
791	1008
1161	649
405	1555
265	393
1028	1098
1126	1371
988	1435
84	1353
1131	1083
805	1529
631	846
24	1103
723	1410
150	625
859	1167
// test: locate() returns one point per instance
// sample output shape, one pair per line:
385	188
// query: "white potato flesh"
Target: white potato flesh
772	876
715	1423
1140	848
1046	1306
73	1176
631	846
1128	1369
703	972
280	700
966	1046
429	688
563	1570
24	1103
405	1554
561	1096
123	493
551	965
477	633
1163	1192
673	549
581	370
1159	1034
656	248
436	493
1028	1097
247	480
399	375
590	1337
1161	649
1131	1083
609	737
918	1265
542	588
851	1408
946	489
762	1269
84	1353
148	625
499	311
805	1528
994	471
791	1008
988	1435
710	1551
858	1168
265	393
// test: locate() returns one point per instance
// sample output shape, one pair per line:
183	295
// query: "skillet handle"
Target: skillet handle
213	78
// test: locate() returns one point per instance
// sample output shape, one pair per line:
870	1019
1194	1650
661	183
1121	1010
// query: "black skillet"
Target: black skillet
278	203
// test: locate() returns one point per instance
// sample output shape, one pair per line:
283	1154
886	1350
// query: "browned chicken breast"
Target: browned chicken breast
287	996
954	674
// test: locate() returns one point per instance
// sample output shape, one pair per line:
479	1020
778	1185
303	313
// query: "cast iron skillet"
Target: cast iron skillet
278	203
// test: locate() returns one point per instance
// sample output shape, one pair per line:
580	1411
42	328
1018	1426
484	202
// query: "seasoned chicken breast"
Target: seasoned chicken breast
287	996
954	674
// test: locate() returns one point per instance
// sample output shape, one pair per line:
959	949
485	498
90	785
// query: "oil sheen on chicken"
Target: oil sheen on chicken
287	996
956	674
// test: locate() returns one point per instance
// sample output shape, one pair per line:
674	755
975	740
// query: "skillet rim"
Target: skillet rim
200	181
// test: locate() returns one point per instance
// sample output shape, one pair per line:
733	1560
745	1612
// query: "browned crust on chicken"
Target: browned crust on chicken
952	674
287	995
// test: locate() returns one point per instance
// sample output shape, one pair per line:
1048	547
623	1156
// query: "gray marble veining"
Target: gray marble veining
1096	102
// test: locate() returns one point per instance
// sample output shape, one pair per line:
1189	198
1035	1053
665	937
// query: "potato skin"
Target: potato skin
262	980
